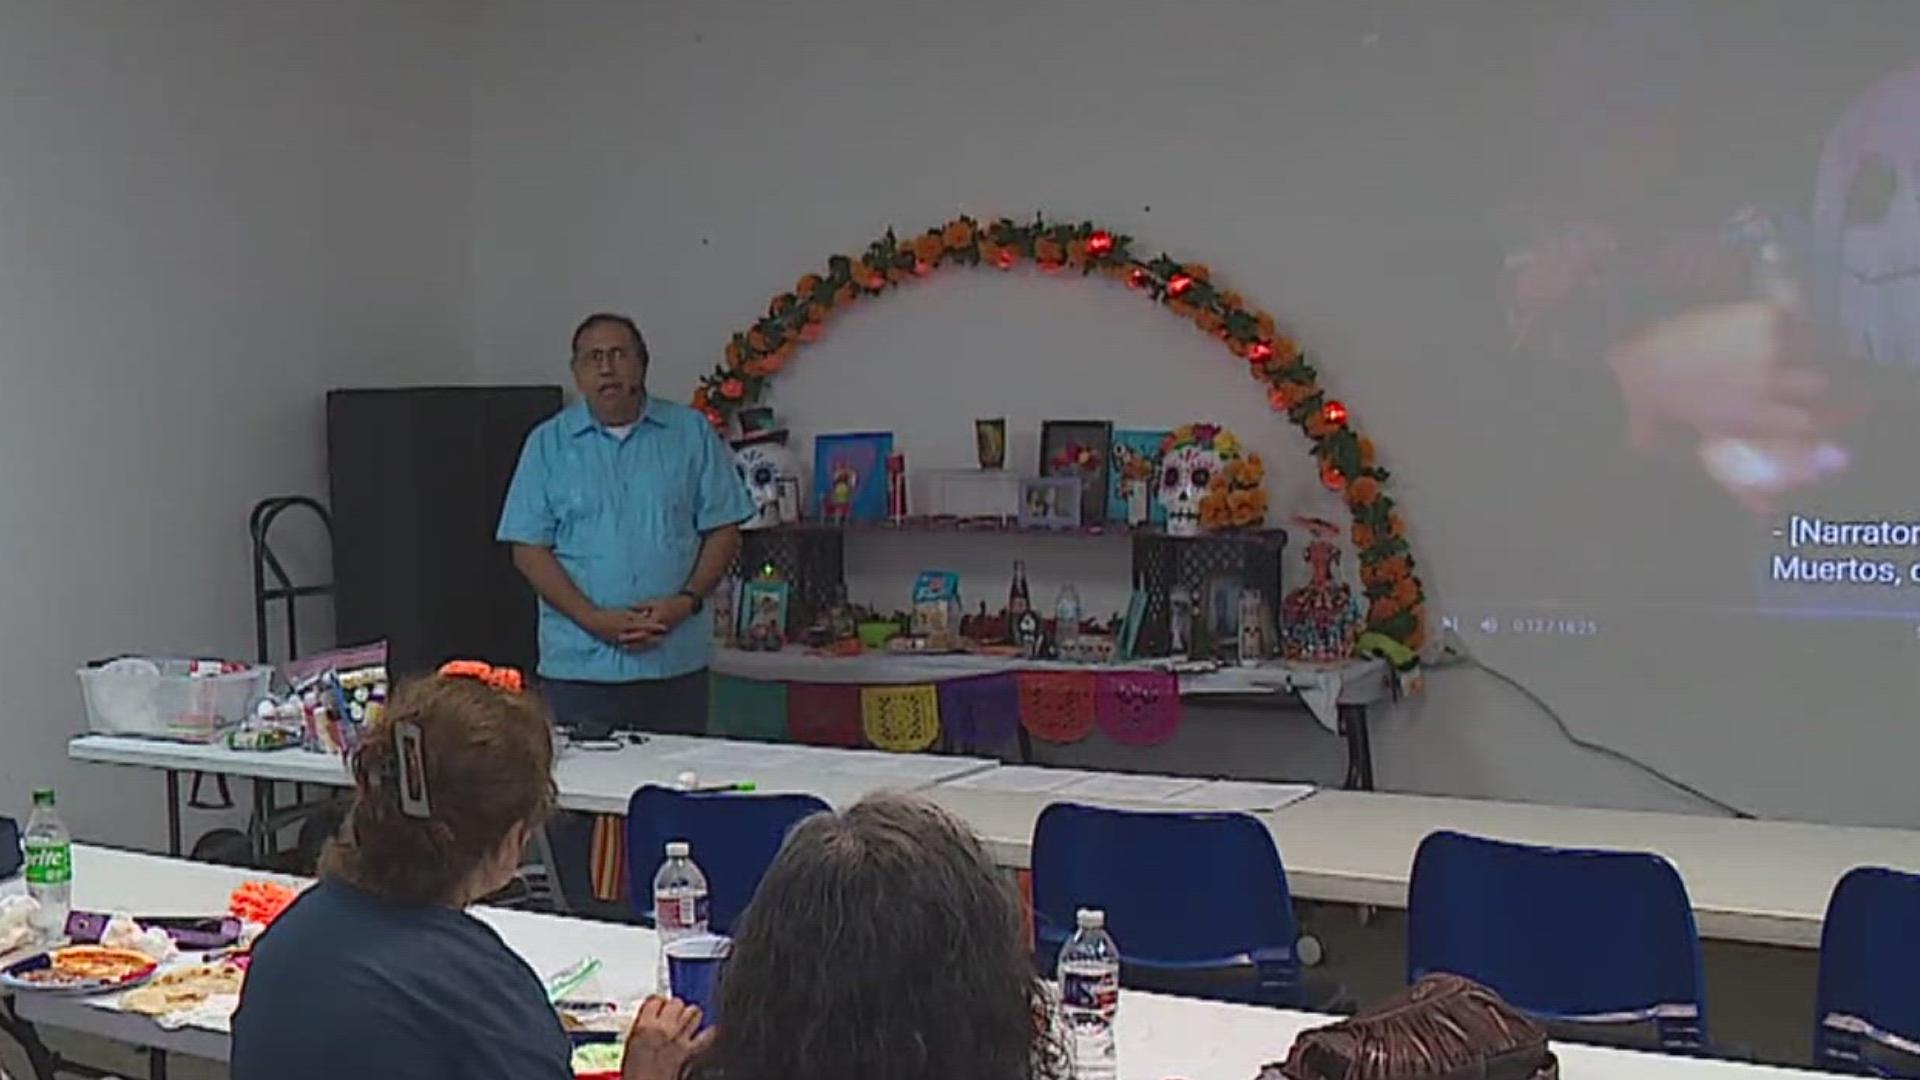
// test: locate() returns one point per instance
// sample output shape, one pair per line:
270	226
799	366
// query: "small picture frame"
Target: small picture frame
850	476
1222	614
763	615
1050	502
1080	449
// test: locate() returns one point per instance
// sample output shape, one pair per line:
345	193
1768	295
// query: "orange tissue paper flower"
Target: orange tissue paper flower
928	246
1363	491
1198	271
1405	592
756	341
1366	451
958	234
1218	482
1048	250
1382	609
1362	536
1252	470
1233	300
806	284
1264	322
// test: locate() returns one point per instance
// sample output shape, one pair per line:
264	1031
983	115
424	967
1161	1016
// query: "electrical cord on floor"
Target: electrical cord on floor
1597	748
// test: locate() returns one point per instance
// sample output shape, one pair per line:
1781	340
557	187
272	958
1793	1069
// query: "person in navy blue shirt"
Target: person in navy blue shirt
624	514
378	970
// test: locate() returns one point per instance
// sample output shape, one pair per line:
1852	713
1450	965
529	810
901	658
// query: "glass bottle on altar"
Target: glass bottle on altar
1017	600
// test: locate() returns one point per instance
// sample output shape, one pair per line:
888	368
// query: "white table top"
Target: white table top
1356	682
1159	1036
590	781
1757	881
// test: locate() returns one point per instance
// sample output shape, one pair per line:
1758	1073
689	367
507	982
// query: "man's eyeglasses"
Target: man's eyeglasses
611	357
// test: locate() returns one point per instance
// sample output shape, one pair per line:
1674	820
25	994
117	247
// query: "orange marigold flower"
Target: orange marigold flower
1252	470
1198	271
1362	536
1382	609
859	272
845	295
1405	592
1207	320
1218	481
928	246
756	341
1233	300
1395	526
1317	426
958	234
1265	323
1366	451
1048	250
816	312
1180	308
700	399
806	284
1363	491
733	389
1281	397
734	355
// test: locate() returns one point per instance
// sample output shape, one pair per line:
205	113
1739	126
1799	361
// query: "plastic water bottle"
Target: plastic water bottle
679	902
49	866
1066	615
1089	974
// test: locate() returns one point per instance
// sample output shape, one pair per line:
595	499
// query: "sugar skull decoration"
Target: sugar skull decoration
1319	620
1866	222
772	475
1207	485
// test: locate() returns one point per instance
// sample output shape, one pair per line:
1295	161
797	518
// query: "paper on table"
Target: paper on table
731	756
1131	786
1248	795
1020	779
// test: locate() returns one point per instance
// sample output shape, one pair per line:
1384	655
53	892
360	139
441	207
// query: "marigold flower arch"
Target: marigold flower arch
1396	608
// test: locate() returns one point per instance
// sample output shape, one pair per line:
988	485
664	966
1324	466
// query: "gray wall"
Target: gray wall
210	213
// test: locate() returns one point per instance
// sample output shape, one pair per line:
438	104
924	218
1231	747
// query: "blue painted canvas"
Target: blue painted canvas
850	475
1135	459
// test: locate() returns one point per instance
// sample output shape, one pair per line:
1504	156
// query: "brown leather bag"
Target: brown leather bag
1443	1027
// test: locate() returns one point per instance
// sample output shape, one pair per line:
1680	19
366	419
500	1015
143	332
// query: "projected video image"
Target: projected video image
1733	238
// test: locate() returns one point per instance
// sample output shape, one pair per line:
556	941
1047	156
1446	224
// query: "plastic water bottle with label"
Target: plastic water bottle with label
1089	974
679	902
49	849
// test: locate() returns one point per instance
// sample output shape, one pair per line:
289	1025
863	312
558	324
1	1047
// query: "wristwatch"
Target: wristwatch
699	601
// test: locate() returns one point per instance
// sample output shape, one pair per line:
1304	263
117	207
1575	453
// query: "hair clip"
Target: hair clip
504	679
410	750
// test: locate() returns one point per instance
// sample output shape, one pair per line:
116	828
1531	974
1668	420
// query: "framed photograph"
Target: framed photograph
1221	616
1050	502
1133	477
1079	448
763	615
850	476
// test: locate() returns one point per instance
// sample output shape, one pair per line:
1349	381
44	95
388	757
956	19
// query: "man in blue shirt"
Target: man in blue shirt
624	514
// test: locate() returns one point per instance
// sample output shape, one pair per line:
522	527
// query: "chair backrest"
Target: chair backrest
1182	891
1870	973
1598	937
734	839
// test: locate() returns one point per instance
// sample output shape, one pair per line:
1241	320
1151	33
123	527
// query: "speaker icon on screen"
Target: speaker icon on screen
1490	625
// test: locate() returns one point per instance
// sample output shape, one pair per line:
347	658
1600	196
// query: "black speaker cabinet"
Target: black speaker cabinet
417	479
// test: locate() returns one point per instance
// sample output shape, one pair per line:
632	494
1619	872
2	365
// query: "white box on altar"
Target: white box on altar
973	493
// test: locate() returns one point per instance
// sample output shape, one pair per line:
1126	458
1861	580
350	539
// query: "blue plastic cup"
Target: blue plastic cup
693	972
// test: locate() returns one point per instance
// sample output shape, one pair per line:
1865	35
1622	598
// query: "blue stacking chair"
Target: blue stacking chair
1593	938
734	838
1869	1000
1183	892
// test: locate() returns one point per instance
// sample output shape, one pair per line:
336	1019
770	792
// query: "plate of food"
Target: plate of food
79	969
183	988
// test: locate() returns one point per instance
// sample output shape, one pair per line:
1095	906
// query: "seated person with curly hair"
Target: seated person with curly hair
882	944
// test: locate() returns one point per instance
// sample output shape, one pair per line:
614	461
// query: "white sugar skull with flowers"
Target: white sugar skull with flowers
1206	484
766	466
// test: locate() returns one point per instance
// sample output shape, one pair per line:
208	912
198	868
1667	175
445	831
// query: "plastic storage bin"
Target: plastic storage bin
164	699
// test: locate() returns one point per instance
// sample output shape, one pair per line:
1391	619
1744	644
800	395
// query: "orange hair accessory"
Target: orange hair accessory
504	679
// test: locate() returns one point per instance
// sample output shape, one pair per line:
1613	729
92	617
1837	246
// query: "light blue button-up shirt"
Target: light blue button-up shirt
624	516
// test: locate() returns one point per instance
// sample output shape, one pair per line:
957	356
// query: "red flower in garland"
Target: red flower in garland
733	389
1100	244
1178	284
